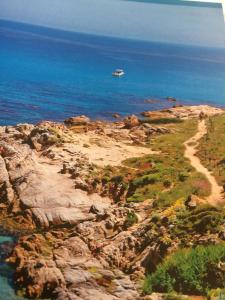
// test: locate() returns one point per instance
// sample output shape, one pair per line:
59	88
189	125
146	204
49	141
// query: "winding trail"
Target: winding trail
191	147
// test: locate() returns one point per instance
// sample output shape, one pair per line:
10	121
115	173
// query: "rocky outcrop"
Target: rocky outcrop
79	120
84	241
42	191
131	121
6	191
96	259
74	266
184	112
46	182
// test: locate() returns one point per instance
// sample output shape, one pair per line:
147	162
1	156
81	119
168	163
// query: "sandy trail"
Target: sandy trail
191	145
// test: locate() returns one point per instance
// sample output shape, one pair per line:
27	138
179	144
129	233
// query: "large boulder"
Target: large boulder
42	278
131	121
79	120
39	137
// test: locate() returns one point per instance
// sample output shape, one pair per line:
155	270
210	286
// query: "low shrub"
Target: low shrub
189	271
146	179
117	179
167	183
183	177
164	121
130	220
217	294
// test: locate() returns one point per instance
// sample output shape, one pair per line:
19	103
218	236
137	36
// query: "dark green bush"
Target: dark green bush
146	179
162	121
130	220
117	179
167	183
183	177
189	271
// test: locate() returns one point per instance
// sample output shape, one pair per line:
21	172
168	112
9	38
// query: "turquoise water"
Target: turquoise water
6	274
4	239
51	74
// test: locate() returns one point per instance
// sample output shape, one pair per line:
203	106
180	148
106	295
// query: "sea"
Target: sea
6	275
49	74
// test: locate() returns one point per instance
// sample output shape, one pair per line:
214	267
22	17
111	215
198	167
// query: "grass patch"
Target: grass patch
164	177
212	148
168	176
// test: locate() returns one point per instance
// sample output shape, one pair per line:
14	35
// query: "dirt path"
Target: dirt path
191	145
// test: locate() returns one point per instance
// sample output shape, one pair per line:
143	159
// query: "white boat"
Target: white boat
118	73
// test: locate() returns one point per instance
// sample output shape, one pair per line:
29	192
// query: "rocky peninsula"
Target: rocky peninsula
99	205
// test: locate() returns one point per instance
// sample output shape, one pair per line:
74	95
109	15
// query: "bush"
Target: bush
167	184
217	294
146	179
117	179
155	219
163	121
183	177
189	271
130	220
137	197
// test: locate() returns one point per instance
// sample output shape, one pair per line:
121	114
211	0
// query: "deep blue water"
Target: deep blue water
51	74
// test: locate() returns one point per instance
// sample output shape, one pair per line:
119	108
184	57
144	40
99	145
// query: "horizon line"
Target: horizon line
111	36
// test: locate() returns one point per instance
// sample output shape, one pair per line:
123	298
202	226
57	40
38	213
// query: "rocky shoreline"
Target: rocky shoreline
81	239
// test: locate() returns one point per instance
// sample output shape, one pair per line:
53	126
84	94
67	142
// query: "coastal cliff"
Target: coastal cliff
98	205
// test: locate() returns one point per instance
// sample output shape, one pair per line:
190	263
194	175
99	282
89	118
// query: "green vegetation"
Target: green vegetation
189	271
161	121
167	176
164	177
212	147
204	219
218	294
56	137
130	220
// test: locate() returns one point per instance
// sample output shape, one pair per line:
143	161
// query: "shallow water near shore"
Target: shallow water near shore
51	74
6	276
